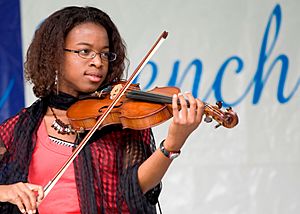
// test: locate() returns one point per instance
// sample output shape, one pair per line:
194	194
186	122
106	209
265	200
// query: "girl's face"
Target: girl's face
79	74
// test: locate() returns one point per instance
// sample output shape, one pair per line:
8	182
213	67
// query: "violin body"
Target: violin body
130	113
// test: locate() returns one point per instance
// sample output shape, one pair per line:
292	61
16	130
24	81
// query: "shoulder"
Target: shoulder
7	130
7	127
12	120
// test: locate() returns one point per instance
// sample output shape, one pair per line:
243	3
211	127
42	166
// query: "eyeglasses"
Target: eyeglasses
90	54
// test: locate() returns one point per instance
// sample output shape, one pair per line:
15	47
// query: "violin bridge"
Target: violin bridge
115	91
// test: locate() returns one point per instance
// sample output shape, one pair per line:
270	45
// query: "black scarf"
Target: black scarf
61	101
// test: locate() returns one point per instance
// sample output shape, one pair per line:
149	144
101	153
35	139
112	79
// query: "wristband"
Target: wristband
168	154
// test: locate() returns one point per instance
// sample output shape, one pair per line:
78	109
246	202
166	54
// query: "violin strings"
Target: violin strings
158	98
151	97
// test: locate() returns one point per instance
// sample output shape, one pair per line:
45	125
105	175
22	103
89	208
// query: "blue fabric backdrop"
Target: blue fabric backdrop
11	64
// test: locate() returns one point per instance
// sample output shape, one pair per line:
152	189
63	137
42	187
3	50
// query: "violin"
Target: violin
138	109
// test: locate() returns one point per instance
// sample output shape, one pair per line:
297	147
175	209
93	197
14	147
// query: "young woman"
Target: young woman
76	51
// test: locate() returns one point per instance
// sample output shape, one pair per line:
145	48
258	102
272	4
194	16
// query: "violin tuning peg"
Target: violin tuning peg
207	119
229	108
219	104
217	126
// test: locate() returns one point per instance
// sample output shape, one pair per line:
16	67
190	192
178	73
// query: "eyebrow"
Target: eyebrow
88	44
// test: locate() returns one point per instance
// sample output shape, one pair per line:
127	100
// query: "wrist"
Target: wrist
171	154
3	193
173	143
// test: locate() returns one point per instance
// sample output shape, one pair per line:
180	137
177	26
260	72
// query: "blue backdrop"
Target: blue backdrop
11	63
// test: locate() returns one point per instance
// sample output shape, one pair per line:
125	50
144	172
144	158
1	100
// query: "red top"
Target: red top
47	159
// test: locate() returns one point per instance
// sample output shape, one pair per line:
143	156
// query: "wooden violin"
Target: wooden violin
137	109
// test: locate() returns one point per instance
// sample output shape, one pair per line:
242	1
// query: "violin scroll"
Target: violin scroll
228	119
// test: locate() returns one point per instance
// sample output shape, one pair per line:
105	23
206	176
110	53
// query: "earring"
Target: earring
56	82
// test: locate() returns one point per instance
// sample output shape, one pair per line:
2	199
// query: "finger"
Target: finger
175	107
193	107
38	190
200	110
184	108
24	197
28	189
17	201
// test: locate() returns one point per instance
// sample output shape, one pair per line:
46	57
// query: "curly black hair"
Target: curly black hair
45	53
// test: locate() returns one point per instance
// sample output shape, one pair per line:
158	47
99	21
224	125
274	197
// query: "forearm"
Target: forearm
183	124
152	170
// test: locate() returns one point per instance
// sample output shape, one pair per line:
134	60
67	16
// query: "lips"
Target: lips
93	77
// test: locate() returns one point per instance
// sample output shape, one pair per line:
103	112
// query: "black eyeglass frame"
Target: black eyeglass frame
106	55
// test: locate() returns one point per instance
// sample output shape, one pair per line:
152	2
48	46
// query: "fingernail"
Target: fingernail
23	211
30	212
34	211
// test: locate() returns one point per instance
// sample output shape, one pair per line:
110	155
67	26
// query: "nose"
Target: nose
97	61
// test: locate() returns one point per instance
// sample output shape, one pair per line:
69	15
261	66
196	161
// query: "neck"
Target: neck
61	101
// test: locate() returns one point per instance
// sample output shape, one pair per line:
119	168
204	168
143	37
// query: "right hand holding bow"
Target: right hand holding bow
25	195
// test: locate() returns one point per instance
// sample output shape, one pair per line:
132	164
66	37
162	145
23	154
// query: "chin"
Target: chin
89	91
